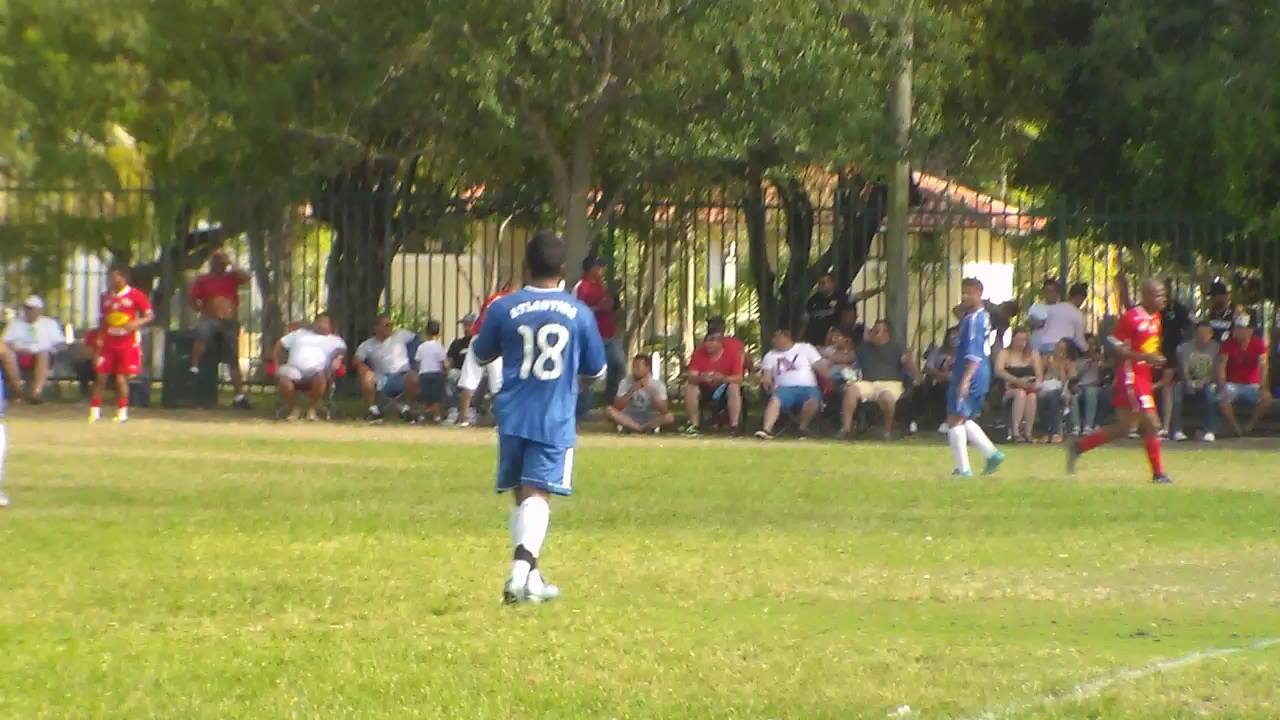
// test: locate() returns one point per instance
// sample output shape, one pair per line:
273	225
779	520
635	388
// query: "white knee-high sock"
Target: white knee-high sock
978	437
959	450
513	524
529	529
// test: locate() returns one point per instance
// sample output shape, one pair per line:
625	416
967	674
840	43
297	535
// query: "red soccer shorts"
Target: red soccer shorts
125	360
1133	389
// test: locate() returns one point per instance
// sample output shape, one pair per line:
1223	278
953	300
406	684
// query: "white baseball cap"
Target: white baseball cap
33	302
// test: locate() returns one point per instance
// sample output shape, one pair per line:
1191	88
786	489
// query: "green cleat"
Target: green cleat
993	463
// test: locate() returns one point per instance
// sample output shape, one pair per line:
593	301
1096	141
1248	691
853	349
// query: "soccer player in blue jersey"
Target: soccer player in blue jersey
970	381
8	374
546	339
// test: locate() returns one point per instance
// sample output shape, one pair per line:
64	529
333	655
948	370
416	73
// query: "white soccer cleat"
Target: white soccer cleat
4	500
1209	437
1179	436
537	591
512	595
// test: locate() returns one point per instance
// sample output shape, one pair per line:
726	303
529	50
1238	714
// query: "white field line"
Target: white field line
1094	687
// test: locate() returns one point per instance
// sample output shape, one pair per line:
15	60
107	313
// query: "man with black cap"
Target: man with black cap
1220	315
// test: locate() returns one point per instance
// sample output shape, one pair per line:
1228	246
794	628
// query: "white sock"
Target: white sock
375	410
535	515
122	413
979	438
519	568
95	412
535	583
3	445
959	450
513	524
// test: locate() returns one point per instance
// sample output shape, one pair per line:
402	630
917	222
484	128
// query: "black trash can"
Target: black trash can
183	388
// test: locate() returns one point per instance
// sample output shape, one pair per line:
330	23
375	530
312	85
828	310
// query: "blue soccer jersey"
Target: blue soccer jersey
546	339
971	346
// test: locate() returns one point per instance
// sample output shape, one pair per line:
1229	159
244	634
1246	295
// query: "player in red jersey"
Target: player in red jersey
472	372
1137	345
125	310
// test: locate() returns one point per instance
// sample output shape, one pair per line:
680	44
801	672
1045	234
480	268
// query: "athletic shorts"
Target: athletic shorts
221	336
126	360
431	388
391	384
794	397
527	462
1249	395
969	406
1133	388
473	372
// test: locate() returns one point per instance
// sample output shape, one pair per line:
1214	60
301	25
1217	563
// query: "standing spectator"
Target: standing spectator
1175	324
34	339
457	354
594	293
641	404
1197	365
842	359
1078	295
216	297
1020	368
885	365
1055	391
314	354
473	372
433	362
1054	320
1090	378
1242	375
382	363
789	375
714	378
1221	315
825	305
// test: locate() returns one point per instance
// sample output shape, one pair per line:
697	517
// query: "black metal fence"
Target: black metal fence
751	259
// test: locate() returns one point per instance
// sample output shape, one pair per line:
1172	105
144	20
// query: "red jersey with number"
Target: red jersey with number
118	310
1139	331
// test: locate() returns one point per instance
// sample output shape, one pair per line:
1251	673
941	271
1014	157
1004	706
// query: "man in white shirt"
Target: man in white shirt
314	353
382	362
34	339
789	373
641	403
1053	320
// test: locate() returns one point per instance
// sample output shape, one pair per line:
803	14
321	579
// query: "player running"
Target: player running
970	381
1136	340
125	310
9	375
546	338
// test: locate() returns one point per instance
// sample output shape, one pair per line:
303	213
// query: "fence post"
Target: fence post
1064	260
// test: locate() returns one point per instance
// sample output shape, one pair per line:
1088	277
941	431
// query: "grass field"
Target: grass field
181	568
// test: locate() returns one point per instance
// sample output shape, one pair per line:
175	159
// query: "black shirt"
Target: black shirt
822	310
457	351
1174	322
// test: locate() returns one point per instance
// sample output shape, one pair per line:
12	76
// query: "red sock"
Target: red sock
122	401
1152	443
95	400
1093	440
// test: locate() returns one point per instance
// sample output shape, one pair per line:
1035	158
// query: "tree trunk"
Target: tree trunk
271	259
762	274
799	215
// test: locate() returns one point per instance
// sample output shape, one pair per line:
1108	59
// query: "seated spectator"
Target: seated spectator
847	319
1242	372
457	354
34	339
641	402
1020	368
1197	362
716	325
1055	391
714	378
432	362
885	363
1090	372
216	297
382	363
931	405
789	373
842	360
313	355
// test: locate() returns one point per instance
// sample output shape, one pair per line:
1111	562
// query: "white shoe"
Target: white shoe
538	591
512	595
1209	437
4	503
451	418
1179	436
1164	434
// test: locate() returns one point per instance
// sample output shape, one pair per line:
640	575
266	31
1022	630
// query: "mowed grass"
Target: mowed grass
189	568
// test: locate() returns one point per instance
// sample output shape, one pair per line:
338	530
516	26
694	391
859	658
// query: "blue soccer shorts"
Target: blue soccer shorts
970	405
527	462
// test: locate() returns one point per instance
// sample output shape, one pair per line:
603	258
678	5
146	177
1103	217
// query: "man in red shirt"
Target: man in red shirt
593	293
125	310
216	297
714	377
1242	375
1136	340
472	372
